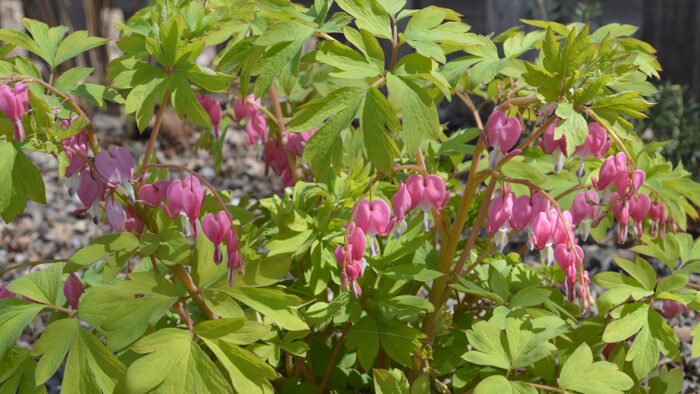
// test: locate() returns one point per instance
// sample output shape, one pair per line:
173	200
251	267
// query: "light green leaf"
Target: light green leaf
393	382
282	31
379	144
75	44
248	373
640	270
485	338
53	346
273	303
185	102
15	314
164	350
493	384
633	317
237	331
369	16
41	286
419	114
581	374
100	248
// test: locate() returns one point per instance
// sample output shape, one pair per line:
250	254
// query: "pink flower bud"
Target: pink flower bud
521	213
297	141
671	309
115	214
402	204
215	227
185	198
72	289
427	192
621	212
235	258
639	206
541	230
563	231
596	145
256	128
639	177
13	103
117	167
214	111
4	293
503	133
91	192
374	219
133	224
154	193
557	147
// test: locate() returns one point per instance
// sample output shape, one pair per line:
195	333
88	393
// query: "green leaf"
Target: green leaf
547	83
118	315
350	63
41	286
573	126
393	382
673	282
283	31
248	373
416	272
581	374
493	384
100	248
640	270
426	28
342	105
173	247
400	341
75	44
419	114
530	296
379	144
485	338
273	61
47	40
203	375
19	39
142	98
53	346
237	331
264	272
364	337
15	314
19	179
369	15
185	101
97	94
166	353
405	307
633	317
275	304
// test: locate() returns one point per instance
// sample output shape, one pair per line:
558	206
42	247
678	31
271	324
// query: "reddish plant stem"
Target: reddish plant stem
396	45
184	278
291	159
329	367
154	135
543	387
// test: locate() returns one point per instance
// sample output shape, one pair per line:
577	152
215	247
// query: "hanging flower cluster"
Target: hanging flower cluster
551	231
374	218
